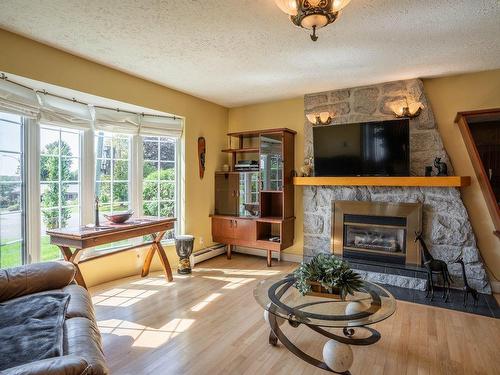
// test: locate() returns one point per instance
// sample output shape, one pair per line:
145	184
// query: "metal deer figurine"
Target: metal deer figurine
434	267
467	288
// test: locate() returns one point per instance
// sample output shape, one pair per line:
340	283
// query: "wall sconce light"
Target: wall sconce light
405	110
322	118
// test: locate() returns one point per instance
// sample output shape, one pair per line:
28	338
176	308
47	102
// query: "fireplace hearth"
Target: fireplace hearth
377	231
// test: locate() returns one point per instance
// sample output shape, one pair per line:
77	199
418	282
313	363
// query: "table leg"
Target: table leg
164	261
228	251
73	257
147	261
269	258
156	246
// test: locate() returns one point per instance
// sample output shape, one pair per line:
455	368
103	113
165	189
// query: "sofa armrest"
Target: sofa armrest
65	365
34	278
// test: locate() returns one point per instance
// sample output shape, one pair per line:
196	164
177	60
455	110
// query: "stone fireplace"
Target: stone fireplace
444	219
376	231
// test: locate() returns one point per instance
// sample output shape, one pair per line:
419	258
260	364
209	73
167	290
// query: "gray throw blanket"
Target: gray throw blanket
31	328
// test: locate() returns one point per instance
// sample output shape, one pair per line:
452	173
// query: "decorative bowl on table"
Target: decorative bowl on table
119	217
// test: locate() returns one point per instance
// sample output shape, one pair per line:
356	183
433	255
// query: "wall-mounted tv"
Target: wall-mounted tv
379	148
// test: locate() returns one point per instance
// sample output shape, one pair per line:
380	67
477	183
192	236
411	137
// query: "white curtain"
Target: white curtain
116	121
161	126
19	100
63	112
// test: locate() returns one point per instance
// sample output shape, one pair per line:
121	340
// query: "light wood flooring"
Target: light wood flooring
209	323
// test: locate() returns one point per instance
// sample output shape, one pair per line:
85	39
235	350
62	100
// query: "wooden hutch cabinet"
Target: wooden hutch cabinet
254	201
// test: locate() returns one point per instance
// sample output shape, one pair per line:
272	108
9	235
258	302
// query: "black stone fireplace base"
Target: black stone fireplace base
486	306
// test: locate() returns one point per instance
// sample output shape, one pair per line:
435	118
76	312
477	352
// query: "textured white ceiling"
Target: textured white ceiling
236	52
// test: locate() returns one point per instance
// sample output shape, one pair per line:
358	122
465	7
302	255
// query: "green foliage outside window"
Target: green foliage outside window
164	180
49	171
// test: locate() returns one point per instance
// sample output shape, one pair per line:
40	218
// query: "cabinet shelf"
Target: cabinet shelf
270	219
241	150
236	172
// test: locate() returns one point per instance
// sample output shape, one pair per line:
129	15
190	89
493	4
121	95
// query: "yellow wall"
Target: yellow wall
27	58
280	114
447	96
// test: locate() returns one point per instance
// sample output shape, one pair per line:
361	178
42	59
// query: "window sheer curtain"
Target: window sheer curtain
18	100
65	113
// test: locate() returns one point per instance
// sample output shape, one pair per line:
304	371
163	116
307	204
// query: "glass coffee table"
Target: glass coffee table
282	303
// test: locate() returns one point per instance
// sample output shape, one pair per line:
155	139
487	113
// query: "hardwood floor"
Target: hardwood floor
209	323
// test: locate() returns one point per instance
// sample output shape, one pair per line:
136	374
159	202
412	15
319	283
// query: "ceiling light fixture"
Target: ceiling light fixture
312	14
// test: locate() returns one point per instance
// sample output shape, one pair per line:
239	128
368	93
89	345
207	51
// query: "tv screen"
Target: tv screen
362	149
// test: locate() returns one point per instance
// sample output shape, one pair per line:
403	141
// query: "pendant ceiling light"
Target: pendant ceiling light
312	14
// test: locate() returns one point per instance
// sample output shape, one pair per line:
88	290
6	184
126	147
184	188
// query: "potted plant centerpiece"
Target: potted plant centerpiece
326	275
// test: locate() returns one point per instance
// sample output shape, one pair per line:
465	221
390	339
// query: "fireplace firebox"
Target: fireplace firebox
376	231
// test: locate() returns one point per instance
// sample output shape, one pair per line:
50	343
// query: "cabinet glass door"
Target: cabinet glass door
271	162
249	194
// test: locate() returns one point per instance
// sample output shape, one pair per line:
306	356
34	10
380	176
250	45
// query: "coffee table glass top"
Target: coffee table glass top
370	305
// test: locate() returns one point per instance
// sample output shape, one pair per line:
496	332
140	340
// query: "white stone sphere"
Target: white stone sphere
337	356
355	307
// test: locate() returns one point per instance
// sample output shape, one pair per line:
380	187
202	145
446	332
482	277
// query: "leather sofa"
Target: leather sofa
82	348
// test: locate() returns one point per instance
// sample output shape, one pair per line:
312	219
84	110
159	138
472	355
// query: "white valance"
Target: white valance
63	112
113	120
19	100
161	126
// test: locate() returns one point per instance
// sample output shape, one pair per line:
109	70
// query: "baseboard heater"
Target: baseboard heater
208	253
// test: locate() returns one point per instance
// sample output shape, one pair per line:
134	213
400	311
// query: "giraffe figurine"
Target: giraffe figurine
467	288
434	267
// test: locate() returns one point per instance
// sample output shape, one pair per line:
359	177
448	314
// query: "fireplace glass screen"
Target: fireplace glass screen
374	238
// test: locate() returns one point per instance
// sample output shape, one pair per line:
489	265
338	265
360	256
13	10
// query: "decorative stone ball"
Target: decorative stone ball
337	356
355	307
279	320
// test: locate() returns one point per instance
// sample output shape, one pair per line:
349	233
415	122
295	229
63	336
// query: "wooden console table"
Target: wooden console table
82	238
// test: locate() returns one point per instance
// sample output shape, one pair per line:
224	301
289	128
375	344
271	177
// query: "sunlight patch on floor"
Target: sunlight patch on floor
239	271
232	282
144	336
153	282
121	297
201	305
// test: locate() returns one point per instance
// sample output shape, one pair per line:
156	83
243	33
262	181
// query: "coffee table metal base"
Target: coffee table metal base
348	339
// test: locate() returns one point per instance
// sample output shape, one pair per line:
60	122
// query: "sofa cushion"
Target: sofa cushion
80	304
33	278
64	365
82	338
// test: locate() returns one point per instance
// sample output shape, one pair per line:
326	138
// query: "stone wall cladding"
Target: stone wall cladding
446	224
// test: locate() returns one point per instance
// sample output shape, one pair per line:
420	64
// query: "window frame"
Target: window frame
60	130
158	181
23	186
32	216
112	181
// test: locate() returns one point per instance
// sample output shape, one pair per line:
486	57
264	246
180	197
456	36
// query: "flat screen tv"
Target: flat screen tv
379	148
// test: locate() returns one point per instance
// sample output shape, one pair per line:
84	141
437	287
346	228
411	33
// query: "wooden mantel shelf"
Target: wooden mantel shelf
445	181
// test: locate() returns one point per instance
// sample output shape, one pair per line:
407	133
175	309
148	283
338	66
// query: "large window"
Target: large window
11	191
112	172
59	183
159	177
56	159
